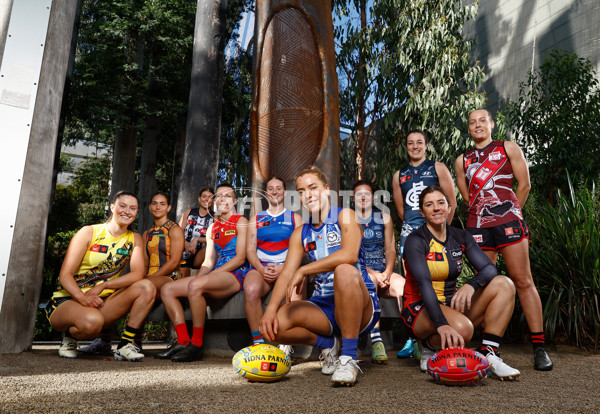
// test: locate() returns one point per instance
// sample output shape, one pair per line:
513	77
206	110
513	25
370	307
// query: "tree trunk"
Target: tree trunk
148	185
123	165
201	151
360	148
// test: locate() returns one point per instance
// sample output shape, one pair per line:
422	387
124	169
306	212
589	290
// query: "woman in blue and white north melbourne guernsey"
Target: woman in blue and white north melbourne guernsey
344	302
408	182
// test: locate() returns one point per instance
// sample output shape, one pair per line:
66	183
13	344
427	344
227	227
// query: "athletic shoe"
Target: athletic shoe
170	351
426	354
346	371
68	347
541	360
379	356
329	357
127	353
416	351
407	350
97	347
499	368
287	350
189	353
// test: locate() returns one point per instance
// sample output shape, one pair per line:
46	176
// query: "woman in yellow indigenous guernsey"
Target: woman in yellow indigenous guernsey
93	292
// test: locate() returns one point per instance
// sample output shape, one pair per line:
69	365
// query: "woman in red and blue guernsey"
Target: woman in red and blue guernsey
227	238
267	247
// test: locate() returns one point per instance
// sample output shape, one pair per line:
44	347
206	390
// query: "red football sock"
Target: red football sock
183	338
197	335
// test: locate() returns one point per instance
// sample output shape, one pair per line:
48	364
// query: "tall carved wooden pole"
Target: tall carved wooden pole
295	117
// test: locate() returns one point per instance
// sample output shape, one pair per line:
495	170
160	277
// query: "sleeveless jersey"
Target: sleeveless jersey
105	259
321	242
273	235
489	175
224	234
374	240
433	267
196	227
158	247
412	181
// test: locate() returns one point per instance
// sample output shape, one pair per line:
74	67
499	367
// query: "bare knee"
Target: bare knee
465	328
89	324
504	285
196	288
252	290
522	281
346	276
145	289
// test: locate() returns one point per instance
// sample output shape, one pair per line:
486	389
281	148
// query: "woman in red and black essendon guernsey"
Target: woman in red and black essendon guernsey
485	176
438	314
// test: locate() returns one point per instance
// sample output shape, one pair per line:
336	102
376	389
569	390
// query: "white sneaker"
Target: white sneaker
499	368
426	354
98	347
68	347
346	371
329	357
127	353
287	350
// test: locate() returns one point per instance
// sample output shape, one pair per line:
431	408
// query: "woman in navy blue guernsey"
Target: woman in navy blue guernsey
438	314
408	183
380	255
344	302
266	249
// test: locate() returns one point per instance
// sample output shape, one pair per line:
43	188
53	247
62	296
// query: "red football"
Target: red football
458	366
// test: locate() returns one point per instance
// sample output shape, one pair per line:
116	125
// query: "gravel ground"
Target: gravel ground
40	381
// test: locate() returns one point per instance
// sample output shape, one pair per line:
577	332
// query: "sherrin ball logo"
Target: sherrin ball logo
261	363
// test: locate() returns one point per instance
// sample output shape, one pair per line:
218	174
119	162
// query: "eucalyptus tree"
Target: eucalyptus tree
405	64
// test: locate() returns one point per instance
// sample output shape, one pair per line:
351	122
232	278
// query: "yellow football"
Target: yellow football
262	363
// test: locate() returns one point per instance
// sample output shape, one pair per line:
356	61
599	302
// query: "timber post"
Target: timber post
36	109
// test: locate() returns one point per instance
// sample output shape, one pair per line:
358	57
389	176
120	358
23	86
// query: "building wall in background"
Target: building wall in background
512	36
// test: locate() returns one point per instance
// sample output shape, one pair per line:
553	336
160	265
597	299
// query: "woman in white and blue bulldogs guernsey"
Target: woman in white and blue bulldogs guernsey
344	302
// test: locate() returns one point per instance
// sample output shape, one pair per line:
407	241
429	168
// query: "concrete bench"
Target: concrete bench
226	328
233	308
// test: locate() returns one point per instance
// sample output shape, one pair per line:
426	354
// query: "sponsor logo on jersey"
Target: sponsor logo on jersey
311	246
456	254
122	251
495	156
192	222
426	173
435	257
333	239
263	224
217	236
368	233
229	232
405	179
99	248
483	174
478	238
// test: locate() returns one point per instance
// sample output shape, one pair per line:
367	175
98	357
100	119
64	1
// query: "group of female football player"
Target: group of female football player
352	256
